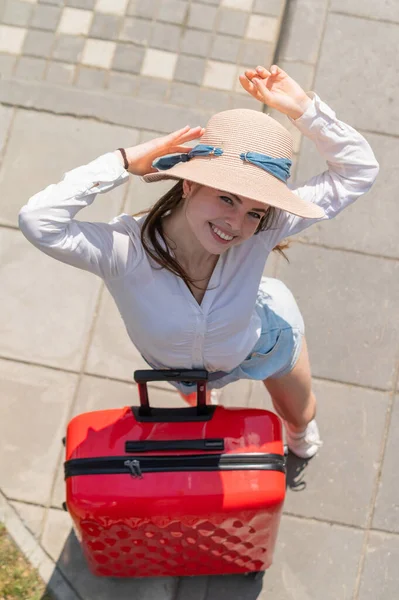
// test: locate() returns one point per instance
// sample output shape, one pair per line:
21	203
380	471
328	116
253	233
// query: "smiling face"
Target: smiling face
220	219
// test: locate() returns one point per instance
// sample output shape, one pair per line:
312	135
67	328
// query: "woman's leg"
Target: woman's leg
292	394
295	402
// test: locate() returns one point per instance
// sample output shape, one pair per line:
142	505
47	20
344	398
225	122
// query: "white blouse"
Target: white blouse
162	317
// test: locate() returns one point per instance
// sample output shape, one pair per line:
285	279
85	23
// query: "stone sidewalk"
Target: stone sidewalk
82	77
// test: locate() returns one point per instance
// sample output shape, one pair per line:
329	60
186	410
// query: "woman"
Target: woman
187	276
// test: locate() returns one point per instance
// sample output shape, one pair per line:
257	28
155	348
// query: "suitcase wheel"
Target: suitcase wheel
255	575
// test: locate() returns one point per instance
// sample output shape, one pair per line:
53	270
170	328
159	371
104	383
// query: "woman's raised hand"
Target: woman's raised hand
141	157
276	89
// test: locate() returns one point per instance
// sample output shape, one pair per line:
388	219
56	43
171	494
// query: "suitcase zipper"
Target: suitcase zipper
157	464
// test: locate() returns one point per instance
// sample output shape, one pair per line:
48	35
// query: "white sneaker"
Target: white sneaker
304	444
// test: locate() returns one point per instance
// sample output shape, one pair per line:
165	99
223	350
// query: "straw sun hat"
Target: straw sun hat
244	152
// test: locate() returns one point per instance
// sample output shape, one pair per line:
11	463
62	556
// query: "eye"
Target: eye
255	215
224	198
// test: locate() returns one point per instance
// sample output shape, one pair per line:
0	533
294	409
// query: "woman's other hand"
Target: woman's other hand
276	89
141	157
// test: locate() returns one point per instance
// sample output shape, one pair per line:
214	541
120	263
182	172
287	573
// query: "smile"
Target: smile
223	237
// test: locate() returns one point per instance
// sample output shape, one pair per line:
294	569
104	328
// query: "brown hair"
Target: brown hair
166	205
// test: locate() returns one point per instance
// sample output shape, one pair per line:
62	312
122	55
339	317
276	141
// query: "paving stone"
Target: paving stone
195	42
35	405
73	565
370	43
183	93
23	335
62	73
159	63
387	505
255	52
31	516
173	11
351	422
56	2
231	22
166	37
115	7
201	17
16	13
148	9
380	578
7	64
30	68
152	88
75	21
269	7
262	28
219	75
359	227
86	4
12	39
6	115
122	83
46	17
303	30
91	78
238	4
214	100
128	58
307	559
68	48
98	53
350	338
106	27
190	69
225	48
57	529
137	31
38	43
387	11
125	111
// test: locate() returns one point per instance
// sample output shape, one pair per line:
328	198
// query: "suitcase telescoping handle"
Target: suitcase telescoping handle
200	376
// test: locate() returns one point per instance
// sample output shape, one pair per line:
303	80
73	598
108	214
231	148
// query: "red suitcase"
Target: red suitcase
191	491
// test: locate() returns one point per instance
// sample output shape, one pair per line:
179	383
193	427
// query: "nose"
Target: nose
234	221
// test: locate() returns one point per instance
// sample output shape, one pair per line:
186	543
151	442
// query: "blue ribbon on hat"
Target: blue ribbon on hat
170	160
279	167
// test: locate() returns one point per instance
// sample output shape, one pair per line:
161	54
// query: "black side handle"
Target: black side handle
169	445
142	376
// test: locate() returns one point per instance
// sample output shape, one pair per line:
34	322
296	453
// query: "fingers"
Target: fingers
185	134
250	87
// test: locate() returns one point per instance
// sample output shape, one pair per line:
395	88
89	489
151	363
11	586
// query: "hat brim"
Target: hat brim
247	180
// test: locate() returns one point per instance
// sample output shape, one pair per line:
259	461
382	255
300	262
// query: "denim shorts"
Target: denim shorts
279	345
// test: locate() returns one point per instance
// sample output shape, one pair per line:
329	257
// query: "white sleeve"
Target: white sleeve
352	168
47	221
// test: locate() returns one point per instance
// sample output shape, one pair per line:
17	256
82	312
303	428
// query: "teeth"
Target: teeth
224	236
